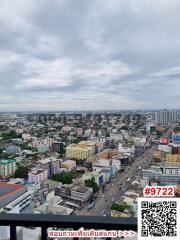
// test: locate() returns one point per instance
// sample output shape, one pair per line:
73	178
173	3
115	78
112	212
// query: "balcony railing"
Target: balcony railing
45	221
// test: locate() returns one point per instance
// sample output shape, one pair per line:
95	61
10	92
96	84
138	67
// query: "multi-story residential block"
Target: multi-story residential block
49	164
7	168
57	147
167	117
11	149
82	150
42	148
172	158
44	141
37	175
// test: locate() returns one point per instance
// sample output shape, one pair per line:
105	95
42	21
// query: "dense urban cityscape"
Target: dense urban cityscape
86	163
89	120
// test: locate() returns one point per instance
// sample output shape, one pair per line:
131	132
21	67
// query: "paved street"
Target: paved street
114	190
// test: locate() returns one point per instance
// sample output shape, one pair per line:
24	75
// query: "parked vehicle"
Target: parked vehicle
91	205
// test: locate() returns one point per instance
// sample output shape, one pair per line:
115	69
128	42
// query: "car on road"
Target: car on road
113	200
128	179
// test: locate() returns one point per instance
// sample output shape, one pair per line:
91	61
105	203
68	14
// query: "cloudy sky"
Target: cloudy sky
89	54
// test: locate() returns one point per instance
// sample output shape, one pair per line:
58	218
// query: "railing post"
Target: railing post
43	233
13	234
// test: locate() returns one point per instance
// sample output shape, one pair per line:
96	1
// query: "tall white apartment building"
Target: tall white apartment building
167	117
7	168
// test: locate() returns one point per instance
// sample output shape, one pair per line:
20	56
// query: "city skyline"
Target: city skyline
89	55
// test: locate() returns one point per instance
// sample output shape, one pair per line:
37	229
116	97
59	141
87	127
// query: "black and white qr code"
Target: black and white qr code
158	217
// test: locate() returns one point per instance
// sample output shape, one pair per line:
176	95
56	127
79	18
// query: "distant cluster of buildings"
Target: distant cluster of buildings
167	117
168	148
166	169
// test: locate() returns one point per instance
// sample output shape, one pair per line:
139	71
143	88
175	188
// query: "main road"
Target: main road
114	190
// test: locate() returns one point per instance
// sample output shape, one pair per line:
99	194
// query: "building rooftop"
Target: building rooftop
37	171
44	161
9	192
80	189
6	162
83	144
92	174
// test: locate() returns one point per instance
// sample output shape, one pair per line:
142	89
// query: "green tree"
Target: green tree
21	172
65	178
118	207
34	157
10	135
3	155
92	184
25	146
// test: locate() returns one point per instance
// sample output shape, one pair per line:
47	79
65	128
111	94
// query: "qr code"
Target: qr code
158	217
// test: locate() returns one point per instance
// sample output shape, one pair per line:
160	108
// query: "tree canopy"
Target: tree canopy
21	172
92	184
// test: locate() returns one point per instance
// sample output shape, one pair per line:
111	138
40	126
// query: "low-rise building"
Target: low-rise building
75	193
14	198
164	174
99	177
69	164
172	158
129	151
11	149
158	154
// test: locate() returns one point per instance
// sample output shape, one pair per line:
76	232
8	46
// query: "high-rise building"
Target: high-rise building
58	147
49	164
7	168
167	117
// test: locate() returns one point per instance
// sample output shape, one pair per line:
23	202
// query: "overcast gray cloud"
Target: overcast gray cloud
89	54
